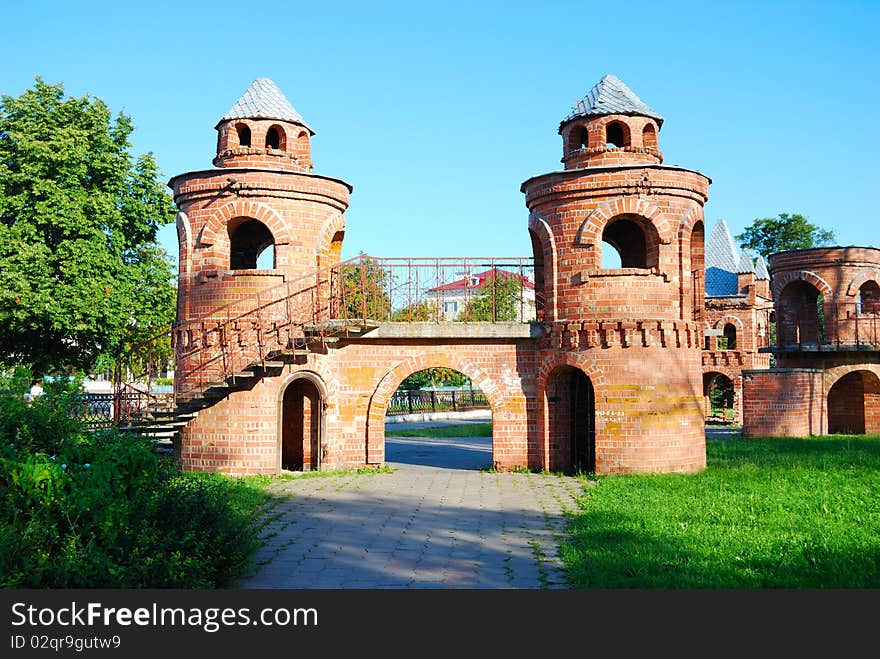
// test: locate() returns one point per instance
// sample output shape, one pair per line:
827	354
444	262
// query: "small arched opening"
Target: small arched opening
801	314
854	404
869	298
719	397
635	242
649	137
571	419
616	135
244	134
578	138
251	245
302	422
276	138
728	338
460	435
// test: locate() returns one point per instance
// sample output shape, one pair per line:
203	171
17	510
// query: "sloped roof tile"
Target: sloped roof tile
611	96
263	100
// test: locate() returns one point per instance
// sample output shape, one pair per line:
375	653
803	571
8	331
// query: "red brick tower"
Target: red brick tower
827	376
254	231
619	375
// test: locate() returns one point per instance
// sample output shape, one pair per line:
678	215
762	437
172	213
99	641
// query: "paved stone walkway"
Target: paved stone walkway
422	526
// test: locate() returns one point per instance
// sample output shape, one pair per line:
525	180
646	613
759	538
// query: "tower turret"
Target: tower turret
619	273
263	129
610	126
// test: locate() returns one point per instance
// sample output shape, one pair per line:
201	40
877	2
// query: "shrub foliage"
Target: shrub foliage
82	509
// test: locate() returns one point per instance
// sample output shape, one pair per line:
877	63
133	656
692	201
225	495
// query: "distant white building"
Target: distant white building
452	298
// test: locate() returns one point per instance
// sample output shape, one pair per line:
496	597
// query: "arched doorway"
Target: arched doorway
719	396
854	404
571	416
438	417
302	421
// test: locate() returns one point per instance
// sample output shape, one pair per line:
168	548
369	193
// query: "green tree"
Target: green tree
787	231
497	301
437	376
81	271
364	286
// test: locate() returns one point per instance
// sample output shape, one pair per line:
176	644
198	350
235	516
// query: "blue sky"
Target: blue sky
437	112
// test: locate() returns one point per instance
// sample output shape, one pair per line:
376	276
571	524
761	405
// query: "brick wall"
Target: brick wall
784	403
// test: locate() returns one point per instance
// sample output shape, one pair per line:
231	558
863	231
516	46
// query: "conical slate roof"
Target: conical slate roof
761	271
263	100
722	262
611	96
746	264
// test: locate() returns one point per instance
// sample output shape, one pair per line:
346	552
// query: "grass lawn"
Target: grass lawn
458	430
766	513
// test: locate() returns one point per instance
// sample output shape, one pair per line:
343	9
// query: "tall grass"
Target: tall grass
766	513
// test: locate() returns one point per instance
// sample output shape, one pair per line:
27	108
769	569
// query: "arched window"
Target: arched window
649	137
635	240
730	336
251	245
244	135
275	138
578	138
616	134
869	297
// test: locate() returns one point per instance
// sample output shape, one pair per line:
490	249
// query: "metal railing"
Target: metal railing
294	316
833	324
478	289
405	401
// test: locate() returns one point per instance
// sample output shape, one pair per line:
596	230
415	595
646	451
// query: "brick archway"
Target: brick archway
212	233
852	397
786	278
378	405
736	380
302	406
856	284
583	363
590	231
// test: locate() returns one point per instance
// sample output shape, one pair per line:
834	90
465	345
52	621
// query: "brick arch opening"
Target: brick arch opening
276	138
721	395
649	136
302	402
251	244
854	404
544	253
390	382
869	297
634	240
617	134
800	314
571	420
578	138
445	396
243	135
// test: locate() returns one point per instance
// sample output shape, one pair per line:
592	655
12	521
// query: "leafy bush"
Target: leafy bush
82	509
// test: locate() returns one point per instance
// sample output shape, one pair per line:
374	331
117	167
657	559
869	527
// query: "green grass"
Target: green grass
766	513
458	430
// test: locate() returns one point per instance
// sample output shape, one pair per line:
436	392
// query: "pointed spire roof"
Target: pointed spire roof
745	264
611	96
761	271
263	100
722	262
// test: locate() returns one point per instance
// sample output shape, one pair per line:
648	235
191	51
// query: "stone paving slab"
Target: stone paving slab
421	526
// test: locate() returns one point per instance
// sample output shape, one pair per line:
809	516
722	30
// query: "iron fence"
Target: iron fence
408	402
